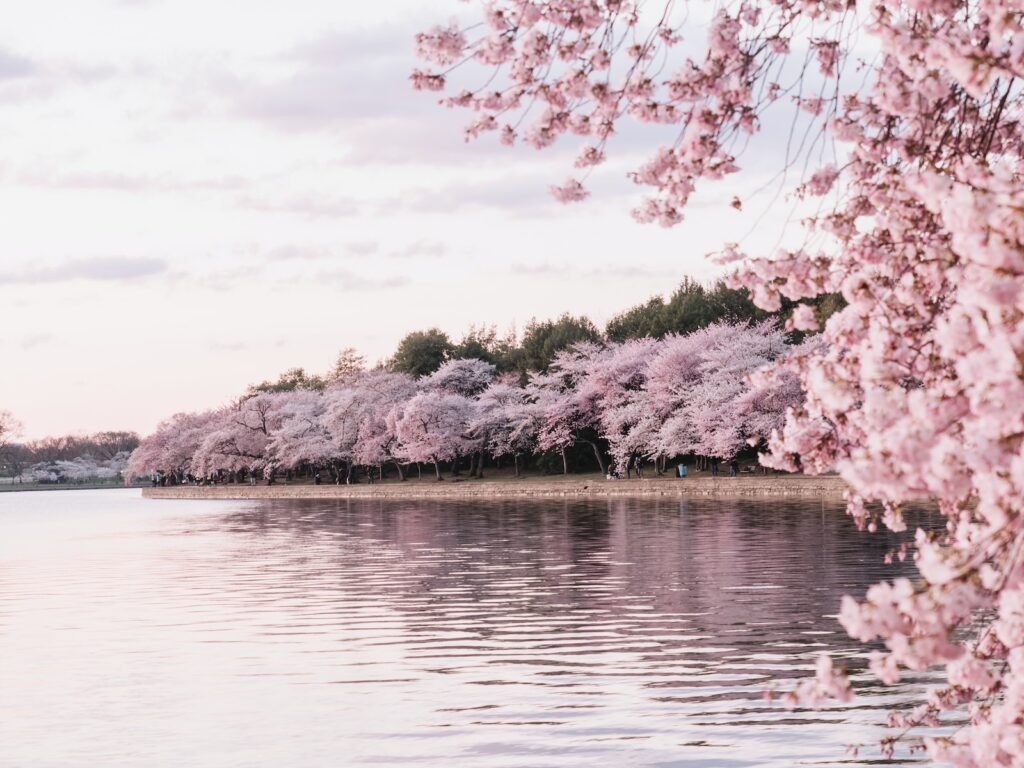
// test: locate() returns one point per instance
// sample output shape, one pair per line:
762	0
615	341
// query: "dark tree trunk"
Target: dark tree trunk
515	462
565	463
437	470
599	457
401	474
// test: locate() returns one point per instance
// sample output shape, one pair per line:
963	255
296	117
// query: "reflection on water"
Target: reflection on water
332	633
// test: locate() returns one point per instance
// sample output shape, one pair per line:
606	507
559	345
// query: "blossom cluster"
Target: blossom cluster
78	470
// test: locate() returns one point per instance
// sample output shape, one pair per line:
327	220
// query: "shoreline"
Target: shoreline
41	487
764	486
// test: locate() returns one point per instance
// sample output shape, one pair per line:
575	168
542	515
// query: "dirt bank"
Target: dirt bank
588	486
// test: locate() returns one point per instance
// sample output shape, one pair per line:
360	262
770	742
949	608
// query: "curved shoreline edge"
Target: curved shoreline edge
828	486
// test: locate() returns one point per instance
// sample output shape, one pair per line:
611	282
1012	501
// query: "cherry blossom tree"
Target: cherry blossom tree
433	427
566	418
80	469
773	391
462	377
381	395
918	390
506	421
720	409
243	435
10	430
612	387
673	375
467	377
303	436
172	447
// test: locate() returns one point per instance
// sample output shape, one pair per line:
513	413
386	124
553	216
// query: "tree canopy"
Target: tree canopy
421	353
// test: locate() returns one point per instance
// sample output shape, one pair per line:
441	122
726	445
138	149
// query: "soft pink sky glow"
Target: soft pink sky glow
196	199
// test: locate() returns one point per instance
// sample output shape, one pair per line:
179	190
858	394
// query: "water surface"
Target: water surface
332	633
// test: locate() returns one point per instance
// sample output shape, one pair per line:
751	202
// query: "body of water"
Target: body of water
511	633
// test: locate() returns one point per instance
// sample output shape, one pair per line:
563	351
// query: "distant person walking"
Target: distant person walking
714	467
734	468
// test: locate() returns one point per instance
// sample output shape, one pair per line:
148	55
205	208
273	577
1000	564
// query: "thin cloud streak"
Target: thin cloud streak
103	269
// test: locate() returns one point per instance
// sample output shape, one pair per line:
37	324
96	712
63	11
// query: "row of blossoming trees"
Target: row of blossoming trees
642	399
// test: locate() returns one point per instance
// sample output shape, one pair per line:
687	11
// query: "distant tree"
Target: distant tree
348	363
59	448
289	381
647	319
483	343
690	308
10	429
543	340
421	353
106	445
477	344
15	458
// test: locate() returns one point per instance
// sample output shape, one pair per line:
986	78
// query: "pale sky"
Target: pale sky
199	195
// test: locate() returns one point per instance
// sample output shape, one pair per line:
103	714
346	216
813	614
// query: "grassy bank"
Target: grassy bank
526	487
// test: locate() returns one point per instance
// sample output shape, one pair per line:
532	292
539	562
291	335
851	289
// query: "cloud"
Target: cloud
229	346
103	269
359	249
13	66
338	78
125	182
526	196
298	253
356	86
547	269
421	249
307	206
363	248
315	252
37	340
347	280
